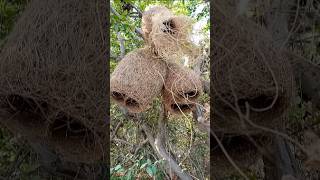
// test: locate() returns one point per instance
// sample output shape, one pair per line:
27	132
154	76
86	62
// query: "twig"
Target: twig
137	9
116	129
122	47
137	30
140	146
199	117
122	141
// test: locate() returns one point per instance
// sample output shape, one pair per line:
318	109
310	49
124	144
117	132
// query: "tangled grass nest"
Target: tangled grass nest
137	80
253	82
181	89
52	72
169	35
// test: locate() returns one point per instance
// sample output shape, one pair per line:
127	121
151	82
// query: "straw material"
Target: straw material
248	73
182	88
177	105
137	80
243	151
54	63
146	22
169	34
183	82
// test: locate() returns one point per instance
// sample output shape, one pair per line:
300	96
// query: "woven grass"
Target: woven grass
146	22
137	80
54	63
243	151
182	88
177	105
169	34
249	75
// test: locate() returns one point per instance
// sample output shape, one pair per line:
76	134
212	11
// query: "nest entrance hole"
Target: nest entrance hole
67	128
169	27
130	102
118	96
181	107
262	101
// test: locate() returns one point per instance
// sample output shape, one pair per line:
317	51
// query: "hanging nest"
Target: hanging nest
183	82
137	80
177	105
146	22
243	151
250	77
169	34
182	88
53	63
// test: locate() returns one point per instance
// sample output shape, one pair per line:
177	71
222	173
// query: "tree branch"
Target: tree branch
137	30
157	145
201	121
122	47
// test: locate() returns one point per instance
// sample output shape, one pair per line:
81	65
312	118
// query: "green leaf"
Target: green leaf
129	175
143	165
118	167
151	170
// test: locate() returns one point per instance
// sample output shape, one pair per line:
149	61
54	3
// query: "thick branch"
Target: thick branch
157	145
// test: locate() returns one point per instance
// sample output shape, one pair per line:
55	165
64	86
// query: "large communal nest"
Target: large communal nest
168	34
137	80
53	78
253	82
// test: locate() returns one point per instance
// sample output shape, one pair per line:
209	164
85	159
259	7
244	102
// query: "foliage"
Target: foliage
9	11
126	25
126	162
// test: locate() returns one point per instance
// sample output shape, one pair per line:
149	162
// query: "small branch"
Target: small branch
206	86
122	47
137	9
116	129
137	30
199	117
140	146
114	11
121	141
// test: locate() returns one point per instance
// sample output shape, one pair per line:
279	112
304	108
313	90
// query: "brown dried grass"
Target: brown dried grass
54	63
137	80
244	151
182	88
252	80
169	34
146	22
